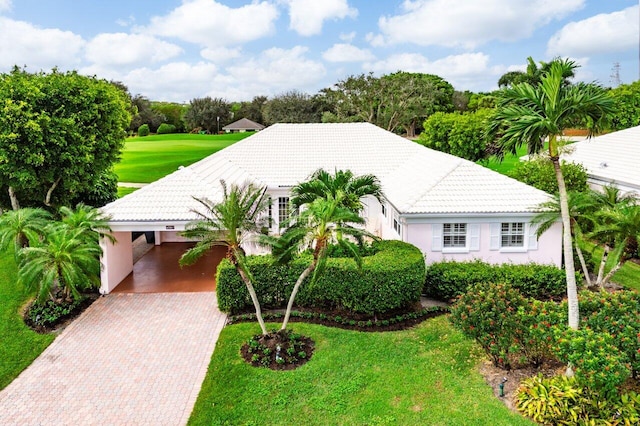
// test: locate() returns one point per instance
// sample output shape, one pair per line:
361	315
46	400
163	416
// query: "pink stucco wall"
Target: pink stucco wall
117	261
548	251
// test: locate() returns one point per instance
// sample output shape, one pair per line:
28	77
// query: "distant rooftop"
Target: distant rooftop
243	124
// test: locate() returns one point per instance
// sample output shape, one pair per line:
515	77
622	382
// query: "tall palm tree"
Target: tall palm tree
230	223
530	115
322	222
19	228
342	185
62	262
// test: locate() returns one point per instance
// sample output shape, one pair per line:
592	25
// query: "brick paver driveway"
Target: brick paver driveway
134	359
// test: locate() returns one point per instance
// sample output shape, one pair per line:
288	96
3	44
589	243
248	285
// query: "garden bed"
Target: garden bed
56	318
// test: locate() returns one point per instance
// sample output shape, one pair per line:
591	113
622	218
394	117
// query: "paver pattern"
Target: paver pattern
130	359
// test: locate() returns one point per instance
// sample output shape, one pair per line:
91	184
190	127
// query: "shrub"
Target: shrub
539	173
51	313
390	279
597	362
538	322
449	279
143	130
166	128
487	314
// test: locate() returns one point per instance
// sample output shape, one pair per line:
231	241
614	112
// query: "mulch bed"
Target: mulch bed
273	341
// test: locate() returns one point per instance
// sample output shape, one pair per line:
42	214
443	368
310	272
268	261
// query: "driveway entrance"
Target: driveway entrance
158	271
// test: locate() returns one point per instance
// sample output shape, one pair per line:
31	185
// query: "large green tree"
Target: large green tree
59	132
530	115
230	223
627	104
291	107
209	114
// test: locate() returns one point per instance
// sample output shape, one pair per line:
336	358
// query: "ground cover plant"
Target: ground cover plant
147	159
424	375
20	345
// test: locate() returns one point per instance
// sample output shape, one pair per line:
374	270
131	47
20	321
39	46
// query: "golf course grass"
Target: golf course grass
147	159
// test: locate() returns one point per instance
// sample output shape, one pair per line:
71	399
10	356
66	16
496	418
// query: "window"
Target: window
454	235
283	210
384	210
270	212
512	234
396	226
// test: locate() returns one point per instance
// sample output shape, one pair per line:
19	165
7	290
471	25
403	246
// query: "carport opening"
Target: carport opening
156	268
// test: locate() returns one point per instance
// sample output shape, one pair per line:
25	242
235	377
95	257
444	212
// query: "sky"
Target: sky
172	50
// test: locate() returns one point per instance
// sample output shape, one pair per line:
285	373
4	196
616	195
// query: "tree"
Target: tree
230	223
209	114
19	228
530	115
252	110
172	112
291	107
58	133
145	114
93	224
539	173
627	104
533	74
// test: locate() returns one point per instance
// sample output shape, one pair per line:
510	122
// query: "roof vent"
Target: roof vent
603	165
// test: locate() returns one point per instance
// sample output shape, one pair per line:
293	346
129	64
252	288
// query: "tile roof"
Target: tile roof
243	124
613	157
415	179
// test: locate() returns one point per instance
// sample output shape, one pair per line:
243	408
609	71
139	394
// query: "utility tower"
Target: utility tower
614	78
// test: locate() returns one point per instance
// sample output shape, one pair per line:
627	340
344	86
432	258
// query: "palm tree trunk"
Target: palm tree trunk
567	246
296	287
583	264
603	262
254	296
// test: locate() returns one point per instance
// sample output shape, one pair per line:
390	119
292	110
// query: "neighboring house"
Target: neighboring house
243	125
611	159
449	207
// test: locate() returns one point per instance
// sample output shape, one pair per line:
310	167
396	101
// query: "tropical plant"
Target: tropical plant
62	262
22	227
231	222
528	114
88	219
325	220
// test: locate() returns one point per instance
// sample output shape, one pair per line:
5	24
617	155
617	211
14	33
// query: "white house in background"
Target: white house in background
449	207
611	159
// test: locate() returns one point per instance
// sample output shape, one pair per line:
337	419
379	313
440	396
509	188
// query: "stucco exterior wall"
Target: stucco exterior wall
170	237
117	261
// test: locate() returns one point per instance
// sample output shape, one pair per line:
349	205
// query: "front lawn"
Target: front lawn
425	375
147	159
19	345
627	276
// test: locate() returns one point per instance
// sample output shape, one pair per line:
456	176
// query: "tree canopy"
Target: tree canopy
59	134
291	107
209	114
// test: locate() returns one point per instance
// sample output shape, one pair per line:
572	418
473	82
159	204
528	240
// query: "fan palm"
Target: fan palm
530	115
19	228
322	222
62	262
230	223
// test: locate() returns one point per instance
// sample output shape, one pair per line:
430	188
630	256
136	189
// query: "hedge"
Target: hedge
448	280
390	279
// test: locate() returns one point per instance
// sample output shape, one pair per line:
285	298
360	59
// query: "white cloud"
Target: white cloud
220	54
348	37
342	52
21	43
120	49
5	5
126	22
212	24
464	71
468	24
308	16
606	32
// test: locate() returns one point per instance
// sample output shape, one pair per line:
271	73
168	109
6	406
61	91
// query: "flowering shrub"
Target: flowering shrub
539	321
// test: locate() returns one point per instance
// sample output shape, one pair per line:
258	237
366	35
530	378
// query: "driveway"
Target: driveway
135	359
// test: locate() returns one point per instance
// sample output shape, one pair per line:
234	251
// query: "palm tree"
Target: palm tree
342	186
230	223
89	219
63	261
19	228
530	115
322	222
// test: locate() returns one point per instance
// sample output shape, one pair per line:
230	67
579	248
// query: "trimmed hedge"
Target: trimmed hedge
390	279
448	280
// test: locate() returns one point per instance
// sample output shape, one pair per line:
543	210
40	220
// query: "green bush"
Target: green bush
143	130
540	174
538	322
449	279
166	128
488	314
390	279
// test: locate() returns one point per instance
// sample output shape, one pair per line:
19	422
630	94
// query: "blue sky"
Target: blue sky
176	50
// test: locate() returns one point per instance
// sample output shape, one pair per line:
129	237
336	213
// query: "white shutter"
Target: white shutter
474	236
533	237
436	237
494	242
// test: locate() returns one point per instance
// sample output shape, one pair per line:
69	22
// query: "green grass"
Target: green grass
629	274
507	163
426	375
125	190
146	159
19	345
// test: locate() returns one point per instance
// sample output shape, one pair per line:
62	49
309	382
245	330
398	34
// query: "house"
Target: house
449	207
243	125
610	159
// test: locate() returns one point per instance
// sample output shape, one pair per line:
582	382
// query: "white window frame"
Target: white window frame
510	232
472	237
529	238
396	225
287	214
454	231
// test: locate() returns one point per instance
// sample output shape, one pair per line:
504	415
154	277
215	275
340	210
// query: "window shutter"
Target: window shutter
436	234
474	236
533	238
494	243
